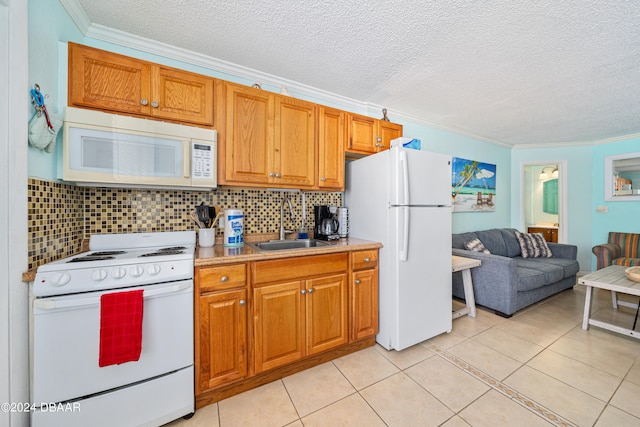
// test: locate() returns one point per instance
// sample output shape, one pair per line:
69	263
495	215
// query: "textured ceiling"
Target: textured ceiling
514	72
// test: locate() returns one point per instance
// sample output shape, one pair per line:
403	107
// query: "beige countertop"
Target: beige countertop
219	254
224	255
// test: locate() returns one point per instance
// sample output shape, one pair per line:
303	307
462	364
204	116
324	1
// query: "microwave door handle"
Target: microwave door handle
186	156
53	303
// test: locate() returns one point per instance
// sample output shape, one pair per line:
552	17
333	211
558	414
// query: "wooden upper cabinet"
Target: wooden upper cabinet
108	81
270	139
181	96
387	132
331	138
368	135
362	134
249	135
294	150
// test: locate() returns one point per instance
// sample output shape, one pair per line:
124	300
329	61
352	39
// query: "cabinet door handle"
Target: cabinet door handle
310	290
323	179
278	175
367	260
154	104
271	174
357	281
242	302
224	278
144	101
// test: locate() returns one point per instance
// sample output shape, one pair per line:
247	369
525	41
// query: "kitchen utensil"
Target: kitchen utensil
218	215
203	214
194	216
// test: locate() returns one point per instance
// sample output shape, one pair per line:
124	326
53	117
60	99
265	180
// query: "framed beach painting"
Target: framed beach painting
473	186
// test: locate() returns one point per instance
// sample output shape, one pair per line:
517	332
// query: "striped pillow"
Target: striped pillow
533	245
476	246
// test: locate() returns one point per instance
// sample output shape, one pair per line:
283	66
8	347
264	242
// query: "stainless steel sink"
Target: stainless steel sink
279	245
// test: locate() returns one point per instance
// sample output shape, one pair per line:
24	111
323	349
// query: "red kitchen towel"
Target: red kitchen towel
120	327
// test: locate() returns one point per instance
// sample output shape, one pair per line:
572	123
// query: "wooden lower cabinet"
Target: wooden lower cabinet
364	304
304	311
326	313
278	325
222	352
364	294
297	319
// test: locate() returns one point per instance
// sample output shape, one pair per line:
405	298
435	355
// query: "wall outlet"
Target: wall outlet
602	209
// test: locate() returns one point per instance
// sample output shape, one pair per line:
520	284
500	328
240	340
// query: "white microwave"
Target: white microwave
103	149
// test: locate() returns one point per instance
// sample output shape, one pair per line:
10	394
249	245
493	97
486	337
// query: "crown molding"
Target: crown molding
579	143
77	14
122	38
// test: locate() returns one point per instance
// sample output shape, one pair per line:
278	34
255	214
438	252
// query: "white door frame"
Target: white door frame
14	109
563	205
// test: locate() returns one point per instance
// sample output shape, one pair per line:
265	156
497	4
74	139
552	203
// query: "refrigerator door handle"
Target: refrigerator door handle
405	176
404	252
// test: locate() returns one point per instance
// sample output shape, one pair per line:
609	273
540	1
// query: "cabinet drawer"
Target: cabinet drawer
363	260
298	268
223	277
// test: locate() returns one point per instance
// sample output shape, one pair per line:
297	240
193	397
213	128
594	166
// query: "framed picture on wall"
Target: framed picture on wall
473	186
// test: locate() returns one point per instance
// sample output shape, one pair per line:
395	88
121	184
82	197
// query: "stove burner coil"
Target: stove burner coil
106	253
162	253
91	258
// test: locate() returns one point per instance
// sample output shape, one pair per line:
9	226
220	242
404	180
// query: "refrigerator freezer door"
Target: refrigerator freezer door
419	178
420	276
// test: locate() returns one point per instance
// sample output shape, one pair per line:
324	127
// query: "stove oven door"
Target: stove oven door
66	340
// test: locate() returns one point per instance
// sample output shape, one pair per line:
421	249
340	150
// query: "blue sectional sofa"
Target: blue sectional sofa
506	282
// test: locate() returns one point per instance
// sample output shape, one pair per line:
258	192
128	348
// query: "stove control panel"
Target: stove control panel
61	282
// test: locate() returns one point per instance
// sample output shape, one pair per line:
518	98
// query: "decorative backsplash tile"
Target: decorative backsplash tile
61	215
56	221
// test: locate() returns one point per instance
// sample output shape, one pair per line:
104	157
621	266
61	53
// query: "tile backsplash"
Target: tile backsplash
61	215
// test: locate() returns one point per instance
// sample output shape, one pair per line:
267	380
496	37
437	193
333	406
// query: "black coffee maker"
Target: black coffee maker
326	224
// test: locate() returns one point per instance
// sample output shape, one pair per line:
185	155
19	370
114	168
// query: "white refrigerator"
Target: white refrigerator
402	198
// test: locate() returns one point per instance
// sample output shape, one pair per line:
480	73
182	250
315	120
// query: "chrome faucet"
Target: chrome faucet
293	218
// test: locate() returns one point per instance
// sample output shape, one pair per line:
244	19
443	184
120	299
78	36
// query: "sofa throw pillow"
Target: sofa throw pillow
533	245
476	246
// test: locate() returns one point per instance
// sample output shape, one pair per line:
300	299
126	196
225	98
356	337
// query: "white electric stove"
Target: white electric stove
66	376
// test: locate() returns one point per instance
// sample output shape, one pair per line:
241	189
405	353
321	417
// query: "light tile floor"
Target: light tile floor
538	368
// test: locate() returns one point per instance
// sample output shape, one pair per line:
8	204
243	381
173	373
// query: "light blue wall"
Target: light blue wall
578	172
621	216
441	141
49	24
